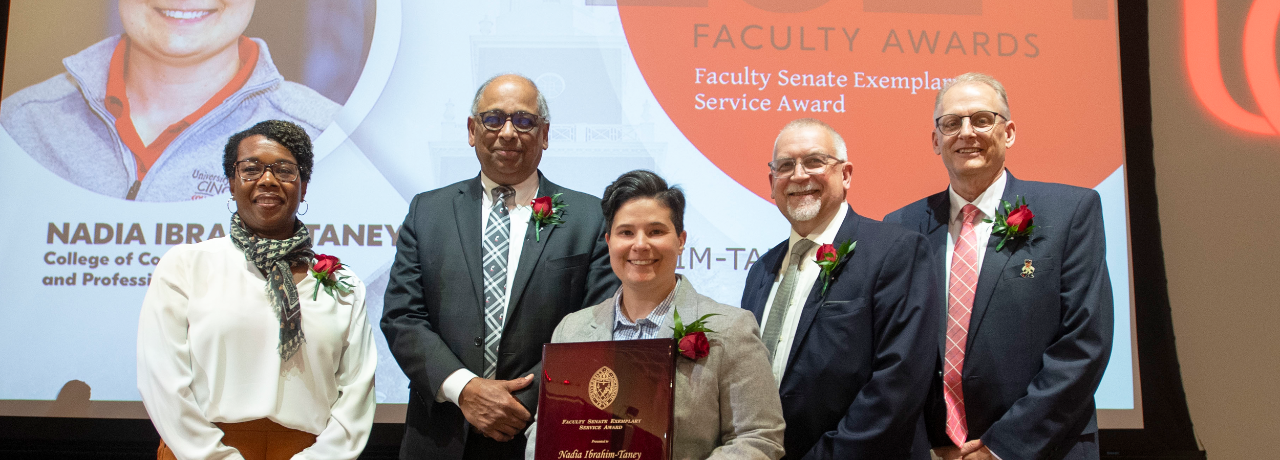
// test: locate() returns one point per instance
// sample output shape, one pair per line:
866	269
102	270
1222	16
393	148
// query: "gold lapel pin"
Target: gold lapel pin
1027	270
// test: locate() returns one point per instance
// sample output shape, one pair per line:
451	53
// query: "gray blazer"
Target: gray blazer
726	404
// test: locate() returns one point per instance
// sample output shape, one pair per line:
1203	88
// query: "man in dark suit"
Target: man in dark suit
849	347
1028	325
479	284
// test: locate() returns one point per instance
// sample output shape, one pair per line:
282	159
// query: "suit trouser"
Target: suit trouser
480	447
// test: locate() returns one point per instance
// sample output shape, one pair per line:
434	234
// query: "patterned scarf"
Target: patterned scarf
273	258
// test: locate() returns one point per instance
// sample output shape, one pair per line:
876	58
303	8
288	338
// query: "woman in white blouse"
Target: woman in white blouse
242	353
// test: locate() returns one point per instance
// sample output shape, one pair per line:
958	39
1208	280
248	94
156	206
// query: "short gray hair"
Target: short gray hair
975	77
542	101
838	141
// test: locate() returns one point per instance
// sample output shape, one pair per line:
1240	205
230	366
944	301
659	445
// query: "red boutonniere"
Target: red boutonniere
546	211
324	271
829	257
1012	222
691	339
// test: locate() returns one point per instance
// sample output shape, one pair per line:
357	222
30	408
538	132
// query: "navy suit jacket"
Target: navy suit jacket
1037	346
860	363
433	312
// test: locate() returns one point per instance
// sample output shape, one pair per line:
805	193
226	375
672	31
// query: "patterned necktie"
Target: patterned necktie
782	299
964	278
497	235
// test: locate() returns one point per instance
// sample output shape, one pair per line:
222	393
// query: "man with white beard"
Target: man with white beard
846	306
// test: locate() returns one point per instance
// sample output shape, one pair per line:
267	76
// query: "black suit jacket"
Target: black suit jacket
1037	346
862	355
433	312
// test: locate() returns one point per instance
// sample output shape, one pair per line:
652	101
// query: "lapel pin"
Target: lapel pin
1027	270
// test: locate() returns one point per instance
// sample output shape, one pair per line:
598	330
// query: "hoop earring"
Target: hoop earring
230	200
308	208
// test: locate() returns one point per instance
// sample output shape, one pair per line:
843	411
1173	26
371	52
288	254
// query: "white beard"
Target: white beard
809	206
805	211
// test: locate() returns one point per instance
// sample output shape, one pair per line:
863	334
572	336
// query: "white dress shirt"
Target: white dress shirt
988	203
207	352
808	275
519	211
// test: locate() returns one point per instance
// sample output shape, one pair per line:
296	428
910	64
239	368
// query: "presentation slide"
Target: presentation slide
695	90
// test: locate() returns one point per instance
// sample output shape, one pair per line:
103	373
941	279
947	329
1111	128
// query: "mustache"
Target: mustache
799	188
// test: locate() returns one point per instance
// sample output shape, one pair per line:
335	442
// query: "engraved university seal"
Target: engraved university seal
603	387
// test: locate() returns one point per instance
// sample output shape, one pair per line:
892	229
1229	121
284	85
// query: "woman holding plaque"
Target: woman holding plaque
243	351
726	401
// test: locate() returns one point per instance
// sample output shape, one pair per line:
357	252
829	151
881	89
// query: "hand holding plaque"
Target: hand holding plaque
609	399
489	406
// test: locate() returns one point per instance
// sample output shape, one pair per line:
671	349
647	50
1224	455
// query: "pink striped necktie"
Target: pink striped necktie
963	281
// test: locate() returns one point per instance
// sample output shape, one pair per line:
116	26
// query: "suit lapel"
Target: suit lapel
684	298
687	299
759	293
993	264
601	328
531	252
466	213
848	229
935	228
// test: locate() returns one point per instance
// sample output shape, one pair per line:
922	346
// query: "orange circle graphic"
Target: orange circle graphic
721	71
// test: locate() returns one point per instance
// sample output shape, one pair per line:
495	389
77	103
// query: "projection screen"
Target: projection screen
695	90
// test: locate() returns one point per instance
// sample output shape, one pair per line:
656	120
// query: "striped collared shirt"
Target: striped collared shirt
648	327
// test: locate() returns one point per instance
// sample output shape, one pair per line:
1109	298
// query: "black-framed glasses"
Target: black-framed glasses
251	170
494	120
981	121
812	164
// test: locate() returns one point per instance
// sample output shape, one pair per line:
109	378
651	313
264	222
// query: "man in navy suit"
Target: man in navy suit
1028	325
851	347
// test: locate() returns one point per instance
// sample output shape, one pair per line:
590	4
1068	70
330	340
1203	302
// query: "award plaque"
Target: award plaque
609	400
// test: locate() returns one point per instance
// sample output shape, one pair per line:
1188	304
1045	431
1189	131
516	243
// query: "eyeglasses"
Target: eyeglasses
494	120
812	164
981	122
251	170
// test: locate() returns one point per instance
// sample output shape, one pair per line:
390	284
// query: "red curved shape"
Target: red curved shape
1200	37
1260	58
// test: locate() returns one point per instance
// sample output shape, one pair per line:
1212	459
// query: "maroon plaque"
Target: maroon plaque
609	400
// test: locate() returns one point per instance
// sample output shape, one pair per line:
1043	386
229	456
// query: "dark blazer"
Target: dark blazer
860	362
1037	346
433	314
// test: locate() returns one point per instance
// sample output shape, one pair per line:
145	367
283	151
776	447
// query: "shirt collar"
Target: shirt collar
823	235
655	316
987	202
117	103
526	190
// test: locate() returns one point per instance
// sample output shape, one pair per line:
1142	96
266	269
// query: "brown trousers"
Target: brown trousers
260	439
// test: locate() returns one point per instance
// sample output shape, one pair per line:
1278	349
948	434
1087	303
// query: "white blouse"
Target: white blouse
207	352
